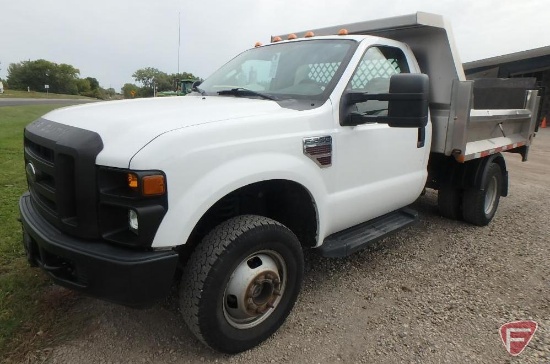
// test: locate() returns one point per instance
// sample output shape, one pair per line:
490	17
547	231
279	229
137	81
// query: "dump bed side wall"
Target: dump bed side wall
476	133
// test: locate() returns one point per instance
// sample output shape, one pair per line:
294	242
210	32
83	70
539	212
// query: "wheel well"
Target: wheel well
284	201
447	171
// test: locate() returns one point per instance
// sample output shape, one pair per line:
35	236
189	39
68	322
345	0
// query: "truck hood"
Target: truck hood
126	126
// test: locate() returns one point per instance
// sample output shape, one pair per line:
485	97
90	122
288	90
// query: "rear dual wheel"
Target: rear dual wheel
480	205
474	205
449	201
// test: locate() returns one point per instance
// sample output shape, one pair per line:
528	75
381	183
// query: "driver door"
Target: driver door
380	169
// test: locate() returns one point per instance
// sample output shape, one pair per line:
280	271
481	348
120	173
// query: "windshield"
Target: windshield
294	70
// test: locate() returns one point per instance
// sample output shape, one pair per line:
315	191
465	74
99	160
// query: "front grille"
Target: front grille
41	174
46	154
61	175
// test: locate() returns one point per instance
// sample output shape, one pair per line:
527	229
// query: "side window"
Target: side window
373	76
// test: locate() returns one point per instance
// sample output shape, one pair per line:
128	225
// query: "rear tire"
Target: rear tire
449	201
480	205
241	283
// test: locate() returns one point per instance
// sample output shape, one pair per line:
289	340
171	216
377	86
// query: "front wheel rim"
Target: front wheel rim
255	289
491	195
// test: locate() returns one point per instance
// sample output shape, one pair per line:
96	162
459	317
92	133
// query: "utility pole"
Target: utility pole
179	40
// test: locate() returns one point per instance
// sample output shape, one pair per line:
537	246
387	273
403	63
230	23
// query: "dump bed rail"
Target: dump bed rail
476	133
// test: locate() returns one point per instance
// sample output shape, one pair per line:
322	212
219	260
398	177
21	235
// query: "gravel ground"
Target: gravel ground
436	292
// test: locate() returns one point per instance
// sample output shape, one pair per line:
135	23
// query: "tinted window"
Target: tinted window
373	76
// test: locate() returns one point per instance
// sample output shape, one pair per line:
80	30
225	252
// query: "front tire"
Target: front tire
241	283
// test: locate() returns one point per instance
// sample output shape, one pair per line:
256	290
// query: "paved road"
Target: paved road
18	102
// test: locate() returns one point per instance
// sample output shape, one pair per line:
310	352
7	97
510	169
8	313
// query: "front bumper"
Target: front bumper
116	274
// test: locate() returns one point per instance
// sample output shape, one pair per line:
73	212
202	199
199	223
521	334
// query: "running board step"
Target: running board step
347	242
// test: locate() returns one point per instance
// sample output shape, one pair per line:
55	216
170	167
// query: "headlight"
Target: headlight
132	205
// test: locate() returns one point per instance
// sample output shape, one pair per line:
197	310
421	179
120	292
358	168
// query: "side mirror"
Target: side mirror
407	103
195	85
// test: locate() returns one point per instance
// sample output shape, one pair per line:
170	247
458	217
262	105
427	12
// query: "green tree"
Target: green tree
94	83
99	93
127	90
62	78
149	76
164	82
83	86
184	76
178	77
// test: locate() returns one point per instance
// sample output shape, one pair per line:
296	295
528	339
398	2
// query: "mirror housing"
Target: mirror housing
195	85
407	103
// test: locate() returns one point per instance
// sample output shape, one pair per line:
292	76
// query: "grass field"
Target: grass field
38	95
21	288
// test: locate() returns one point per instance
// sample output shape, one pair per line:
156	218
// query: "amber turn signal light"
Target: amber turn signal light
153	185
132	180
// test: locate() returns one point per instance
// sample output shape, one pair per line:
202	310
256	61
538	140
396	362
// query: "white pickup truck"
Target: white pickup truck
316	141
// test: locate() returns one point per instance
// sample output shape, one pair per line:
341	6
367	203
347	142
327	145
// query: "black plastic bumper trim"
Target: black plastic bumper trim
96	268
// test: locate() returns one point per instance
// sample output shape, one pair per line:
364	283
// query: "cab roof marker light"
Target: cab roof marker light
276	39
258	44
343	32
292	36
309	35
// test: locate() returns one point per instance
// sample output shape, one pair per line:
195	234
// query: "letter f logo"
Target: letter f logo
516	335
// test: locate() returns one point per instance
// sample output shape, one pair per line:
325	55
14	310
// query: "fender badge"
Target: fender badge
319	149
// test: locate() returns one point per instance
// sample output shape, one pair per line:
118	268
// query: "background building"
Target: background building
531	63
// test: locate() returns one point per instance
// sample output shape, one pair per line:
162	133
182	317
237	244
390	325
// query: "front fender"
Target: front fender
187	206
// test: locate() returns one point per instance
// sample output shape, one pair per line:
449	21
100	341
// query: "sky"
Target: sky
110	39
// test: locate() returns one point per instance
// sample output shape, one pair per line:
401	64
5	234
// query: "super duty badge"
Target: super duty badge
319	149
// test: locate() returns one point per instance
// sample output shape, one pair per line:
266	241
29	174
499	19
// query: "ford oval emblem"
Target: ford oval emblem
31	172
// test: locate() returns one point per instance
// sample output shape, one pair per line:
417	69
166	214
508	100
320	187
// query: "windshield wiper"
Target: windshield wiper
240	91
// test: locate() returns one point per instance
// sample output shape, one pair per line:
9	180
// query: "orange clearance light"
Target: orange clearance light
132	180
258	44
309	35
153	185
292	36
343	32
276	39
